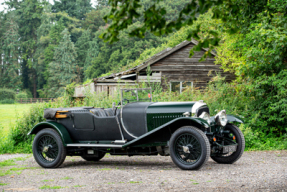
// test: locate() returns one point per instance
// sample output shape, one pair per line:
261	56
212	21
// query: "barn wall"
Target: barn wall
179	67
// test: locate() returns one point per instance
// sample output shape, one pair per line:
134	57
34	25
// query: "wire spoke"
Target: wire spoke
193	145
49	144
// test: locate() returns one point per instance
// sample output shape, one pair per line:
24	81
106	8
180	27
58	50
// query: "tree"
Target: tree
63	69
94	20
74	8
82	47
236	15
10	77
92	54
115	57
28	14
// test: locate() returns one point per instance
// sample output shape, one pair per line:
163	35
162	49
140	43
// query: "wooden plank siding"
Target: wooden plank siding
179	67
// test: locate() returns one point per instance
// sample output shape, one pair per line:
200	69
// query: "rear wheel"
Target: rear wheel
93	158
232	157
48	149
189	148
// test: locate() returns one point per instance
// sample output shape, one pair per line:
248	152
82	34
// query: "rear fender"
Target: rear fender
164	132
65	136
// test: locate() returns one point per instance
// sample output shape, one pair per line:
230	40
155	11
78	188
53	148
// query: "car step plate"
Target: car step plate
229	148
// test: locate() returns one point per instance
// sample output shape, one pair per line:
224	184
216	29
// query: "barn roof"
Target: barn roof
153	60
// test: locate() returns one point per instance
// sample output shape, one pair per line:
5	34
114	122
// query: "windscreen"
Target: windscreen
136	95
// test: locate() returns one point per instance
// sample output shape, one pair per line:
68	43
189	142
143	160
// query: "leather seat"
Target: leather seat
109	112
100	112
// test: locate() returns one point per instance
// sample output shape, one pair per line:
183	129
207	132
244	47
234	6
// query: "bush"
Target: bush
24	95
7	94
7	101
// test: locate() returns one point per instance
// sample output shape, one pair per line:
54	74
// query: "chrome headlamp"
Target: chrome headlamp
221	118
196	106
205	116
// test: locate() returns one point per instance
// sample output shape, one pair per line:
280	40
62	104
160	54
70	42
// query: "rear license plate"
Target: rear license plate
229	148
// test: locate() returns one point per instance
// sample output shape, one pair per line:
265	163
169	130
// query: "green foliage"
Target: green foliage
204	20
7	101
9	70
9	162
7	94
74	8
23	94
83	47
115	57
64	67
50	187
258	56
94	20
235	15
17	140
270	100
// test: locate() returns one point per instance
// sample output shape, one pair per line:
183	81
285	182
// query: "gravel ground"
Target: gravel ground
255	171
12	156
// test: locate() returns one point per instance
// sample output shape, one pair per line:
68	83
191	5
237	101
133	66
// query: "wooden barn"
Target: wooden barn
171	67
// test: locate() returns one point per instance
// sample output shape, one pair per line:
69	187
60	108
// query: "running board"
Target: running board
94	145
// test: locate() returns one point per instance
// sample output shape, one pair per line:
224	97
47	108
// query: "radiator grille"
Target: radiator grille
158	119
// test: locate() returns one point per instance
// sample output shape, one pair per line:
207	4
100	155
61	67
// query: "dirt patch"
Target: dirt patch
255	171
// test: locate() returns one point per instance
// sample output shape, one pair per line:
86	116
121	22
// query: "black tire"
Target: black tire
48	148
196	151
233	157
91	158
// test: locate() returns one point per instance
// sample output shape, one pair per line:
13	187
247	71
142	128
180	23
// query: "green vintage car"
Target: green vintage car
137	126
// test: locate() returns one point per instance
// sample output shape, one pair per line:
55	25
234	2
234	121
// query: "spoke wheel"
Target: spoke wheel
48	149
189	148
232	157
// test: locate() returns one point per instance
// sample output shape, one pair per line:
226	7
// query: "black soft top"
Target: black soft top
49	113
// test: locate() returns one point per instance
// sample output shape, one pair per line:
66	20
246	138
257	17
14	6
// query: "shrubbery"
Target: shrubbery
7	94
235	98
7	101
24	95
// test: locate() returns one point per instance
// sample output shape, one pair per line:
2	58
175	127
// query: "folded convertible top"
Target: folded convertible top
50	113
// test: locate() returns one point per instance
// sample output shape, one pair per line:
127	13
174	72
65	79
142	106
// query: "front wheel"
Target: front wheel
232	157
48	149
189	148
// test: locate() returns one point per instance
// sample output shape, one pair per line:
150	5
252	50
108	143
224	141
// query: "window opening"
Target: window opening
180	86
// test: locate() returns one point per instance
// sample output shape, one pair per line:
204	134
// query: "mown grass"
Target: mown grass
10	112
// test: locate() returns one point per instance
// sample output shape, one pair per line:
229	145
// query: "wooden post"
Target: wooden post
41	100
31	100
21	100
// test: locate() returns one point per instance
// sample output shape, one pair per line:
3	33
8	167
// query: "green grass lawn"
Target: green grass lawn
10	112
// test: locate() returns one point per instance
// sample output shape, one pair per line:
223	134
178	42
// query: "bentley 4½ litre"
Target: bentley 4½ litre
138	126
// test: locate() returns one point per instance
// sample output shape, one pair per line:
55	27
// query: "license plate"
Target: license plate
229	148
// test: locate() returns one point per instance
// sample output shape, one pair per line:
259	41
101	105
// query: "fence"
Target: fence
34	100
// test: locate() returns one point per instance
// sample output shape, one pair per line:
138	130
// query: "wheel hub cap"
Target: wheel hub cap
185	149
45	149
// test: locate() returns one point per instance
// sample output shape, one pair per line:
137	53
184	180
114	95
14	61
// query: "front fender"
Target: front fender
230	118
65	136
164	132
233	118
